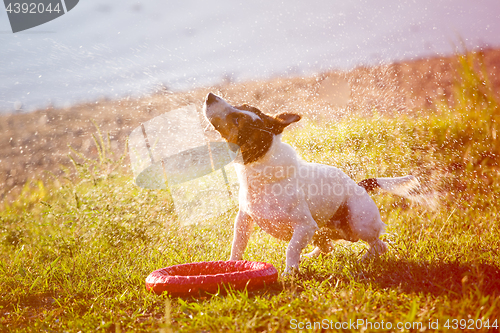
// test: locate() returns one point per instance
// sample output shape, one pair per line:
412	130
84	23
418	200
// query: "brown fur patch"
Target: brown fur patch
255	136
337	228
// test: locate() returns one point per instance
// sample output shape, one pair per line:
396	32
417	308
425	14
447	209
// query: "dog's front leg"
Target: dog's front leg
242	231
302	235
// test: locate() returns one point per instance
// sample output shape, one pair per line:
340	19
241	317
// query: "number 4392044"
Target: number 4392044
32	8
470	324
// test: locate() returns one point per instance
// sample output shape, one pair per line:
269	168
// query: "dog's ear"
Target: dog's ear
286	119
282	120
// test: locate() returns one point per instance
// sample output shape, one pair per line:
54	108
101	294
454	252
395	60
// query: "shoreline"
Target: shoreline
34	145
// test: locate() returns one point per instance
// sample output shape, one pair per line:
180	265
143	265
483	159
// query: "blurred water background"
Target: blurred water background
116	48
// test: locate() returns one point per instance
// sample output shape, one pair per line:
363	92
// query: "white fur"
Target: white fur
291	199
402	186
222	108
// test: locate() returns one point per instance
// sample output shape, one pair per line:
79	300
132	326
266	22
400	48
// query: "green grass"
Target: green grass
74	254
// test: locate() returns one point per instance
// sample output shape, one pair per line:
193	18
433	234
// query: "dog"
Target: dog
291	199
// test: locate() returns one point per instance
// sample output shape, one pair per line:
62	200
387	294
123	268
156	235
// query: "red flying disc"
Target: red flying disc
209	276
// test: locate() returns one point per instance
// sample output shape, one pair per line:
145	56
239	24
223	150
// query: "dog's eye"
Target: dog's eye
234	119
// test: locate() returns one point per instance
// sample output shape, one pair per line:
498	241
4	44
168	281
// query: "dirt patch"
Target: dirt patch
36	145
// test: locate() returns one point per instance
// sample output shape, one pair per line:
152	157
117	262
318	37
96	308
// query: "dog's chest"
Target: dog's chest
281	196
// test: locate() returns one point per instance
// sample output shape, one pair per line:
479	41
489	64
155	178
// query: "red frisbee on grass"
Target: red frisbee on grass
210	276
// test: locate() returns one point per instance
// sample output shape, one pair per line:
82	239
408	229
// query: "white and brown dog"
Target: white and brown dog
289	198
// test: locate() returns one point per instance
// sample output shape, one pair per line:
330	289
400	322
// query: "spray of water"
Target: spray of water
171	152
371	95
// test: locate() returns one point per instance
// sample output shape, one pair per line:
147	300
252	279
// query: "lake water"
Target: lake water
114	48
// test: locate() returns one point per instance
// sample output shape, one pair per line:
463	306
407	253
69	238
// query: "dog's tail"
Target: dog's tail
408	187
403	186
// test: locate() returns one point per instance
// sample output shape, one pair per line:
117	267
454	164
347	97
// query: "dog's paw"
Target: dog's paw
313	254
366	257
376	250
290	271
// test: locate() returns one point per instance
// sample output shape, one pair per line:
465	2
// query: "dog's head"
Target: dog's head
246	126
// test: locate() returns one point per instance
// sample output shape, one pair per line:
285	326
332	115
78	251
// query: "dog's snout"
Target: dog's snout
211	98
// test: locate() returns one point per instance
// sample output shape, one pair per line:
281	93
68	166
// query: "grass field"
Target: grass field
74	253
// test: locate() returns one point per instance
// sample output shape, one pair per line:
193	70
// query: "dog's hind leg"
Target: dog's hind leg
313	254
322	240
377	248
366	224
